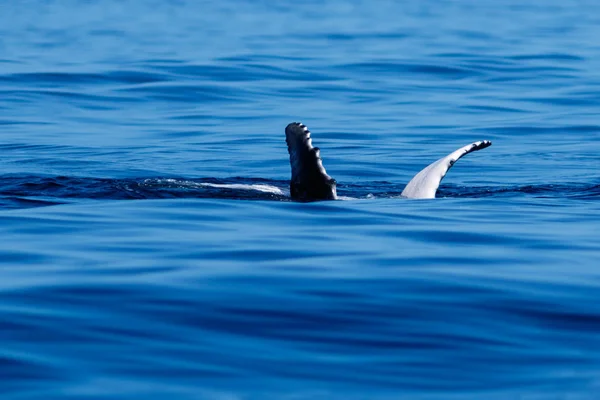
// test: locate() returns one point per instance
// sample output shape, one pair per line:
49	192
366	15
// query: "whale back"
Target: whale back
309	179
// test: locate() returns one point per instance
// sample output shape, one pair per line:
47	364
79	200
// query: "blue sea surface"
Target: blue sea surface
128	271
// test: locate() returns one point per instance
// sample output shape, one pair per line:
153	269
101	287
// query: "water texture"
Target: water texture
134	262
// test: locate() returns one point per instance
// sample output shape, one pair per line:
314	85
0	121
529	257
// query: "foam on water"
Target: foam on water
260	188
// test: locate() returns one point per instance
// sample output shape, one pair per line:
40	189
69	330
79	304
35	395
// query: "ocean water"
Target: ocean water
128	271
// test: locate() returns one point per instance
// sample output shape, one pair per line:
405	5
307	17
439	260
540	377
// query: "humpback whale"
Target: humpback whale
310	181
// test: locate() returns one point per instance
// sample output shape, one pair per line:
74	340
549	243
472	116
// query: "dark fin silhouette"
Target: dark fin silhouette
309	179
425	184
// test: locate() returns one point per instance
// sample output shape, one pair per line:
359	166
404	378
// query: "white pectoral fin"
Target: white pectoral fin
425	184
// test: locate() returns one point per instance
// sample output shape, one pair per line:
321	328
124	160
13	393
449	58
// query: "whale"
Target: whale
310	181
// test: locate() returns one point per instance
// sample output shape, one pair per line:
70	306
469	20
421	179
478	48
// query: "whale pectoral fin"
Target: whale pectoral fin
424	185
309	178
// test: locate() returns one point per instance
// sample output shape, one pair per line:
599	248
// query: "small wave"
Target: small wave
572	191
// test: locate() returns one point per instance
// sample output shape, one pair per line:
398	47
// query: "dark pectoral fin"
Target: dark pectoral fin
309	178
